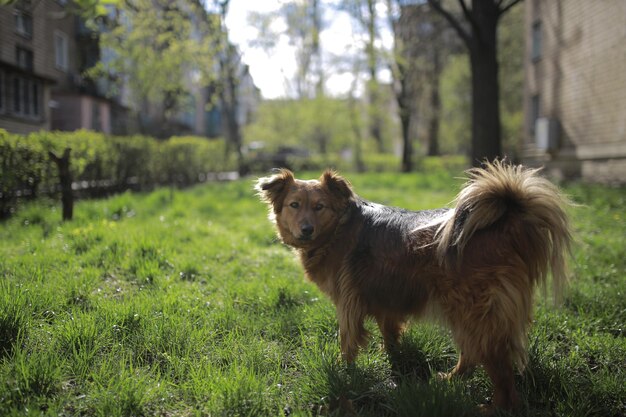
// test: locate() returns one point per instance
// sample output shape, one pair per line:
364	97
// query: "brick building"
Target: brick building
575	88
44	50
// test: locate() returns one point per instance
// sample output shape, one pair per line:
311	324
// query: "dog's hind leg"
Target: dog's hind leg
500	371
391	328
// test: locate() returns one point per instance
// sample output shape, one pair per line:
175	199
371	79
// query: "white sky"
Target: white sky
272	72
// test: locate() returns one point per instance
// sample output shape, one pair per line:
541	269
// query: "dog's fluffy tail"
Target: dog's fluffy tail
500	195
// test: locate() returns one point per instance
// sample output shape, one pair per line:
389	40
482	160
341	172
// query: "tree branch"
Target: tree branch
470	18
466	11
435	4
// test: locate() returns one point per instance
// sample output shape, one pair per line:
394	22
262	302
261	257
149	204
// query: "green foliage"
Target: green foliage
22	166
456	106
319	124
164	50
151	304
185	159
103	162
322	126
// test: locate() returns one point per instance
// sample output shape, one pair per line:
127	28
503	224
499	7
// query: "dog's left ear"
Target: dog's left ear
337	184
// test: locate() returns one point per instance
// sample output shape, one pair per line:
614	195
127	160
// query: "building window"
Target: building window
535	111
536	41
17	95
26	97
60	50
24	58
35	98
24	24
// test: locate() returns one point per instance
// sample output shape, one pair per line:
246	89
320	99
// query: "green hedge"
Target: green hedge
373	162
102	163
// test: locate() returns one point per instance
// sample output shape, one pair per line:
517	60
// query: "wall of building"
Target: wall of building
579	79
48	17
78	111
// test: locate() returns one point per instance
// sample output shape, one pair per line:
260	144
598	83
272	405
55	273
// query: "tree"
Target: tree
406	73
160	52
65	178
364	13
420	47
479	33
435	103
355	119
229	63
303	25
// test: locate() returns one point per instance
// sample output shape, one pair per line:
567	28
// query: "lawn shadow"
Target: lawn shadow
421	353
402	382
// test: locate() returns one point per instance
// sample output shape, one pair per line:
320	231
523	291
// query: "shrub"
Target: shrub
186	160
22	166
103	164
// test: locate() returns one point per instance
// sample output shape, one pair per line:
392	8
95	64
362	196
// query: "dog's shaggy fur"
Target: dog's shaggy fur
474	266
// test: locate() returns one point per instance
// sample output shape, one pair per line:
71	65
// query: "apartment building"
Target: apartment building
44	50
575	88
26	71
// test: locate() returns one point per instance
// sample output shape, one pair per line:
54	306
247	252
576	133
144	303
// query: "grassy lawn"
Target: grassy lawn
151	305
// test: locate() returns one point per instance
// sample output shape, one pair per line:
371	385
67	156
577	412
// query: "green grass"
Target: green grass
149	306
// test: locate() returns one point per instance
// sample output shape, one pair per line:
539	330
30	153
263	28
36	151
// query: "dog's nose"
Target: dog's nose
306	230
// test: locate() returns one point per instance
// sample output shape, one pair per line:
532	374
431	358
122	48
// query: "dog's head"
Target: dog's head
305	212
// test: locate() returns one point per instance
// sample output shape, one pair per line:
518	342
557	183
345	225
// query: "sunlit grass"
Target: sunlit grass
186	304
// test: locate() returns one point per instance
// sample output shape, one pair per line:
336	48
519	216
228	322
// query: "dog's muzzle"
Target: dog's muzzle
306	232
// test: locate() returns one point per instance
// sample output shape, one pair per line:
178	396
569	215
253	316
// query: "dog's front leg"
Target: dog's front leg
352	333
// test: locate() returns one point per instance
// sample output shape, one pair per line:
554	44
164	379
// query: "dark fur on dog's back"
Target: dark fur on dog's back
385	245
475	266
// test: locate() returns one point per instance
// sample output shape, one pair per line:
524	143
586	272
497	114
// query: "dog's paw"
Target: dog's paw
445	376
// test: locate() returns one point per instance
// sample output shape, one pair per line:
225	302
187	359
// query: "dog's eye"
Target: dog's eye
295	205
318	207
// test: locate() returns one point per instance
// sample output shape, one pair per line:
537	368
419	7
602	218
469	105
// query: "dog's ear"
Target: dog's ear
337	185
270	189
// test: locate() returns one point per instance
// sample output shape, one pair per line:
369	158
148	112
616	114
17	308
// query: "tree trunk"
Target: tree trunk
486	140
229	95
374	113
407	144
230	105
483	48
65	178
435	107
358	137
481	41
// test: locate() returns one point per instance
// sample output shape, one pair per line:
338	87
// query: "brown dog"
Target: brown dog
475	266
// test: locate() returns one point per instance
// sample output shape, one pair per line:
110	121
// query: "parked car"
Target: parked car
288	157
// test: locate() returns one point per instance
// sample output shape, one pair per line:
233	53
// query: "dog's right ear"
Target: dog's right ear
271	189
